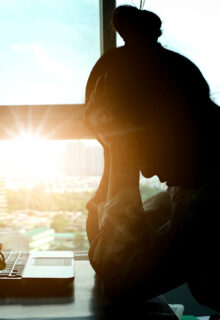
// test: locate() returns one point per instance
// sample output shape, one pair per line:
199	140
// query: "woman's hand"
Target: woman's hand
106	113
95	111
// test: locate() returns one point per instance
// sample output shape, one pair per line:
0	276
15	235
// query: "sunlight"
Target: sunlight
32	159
26	139
34	156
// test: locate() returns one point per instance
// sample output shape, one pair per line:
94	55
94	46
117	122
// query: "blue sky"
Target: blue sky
48	48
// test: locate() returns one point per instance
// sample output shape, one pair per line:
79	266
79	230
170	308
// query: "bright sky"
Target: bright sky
47	49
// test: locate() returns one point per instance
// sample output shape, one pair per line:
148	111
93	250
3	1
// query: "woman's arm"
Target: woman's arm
124	173
92	223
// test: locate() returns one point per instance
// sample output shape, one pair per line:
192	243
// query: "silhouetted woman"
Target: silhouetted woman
151	110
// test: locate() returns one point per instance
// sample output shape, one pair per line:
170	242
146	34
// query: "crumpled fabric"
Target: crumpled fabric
145	250
125	241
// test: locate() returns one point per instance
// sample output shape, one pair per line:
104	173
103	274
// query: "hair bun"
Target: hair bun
130	21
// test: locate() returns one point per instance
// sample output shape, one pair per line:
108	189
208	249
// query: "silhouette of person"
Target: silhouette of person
151	110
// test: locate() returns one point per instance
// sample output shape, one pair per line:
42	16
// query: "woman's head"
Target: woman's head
131	23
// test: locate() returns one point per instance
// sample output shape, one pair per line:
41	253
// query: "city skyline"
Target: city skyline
48	160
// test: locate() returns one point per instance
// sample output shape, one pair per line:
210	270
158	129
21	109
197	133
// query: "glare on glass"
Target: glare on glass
44	188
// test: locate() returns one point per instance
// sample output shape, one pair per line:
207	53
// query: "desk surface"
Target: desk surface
85	302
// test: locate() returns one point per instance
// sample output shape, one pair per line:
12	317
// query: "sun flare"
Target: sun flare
33	155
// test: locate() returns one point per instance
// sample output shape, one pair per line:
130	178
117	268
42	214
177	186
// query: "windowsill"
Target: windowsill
81	255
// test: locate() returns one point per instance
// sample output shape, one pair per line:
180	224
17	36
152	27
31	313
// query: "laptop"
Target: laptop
37	272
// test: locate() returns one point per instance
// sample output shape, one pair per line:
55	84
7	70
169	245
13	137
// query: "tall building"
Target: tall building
83	160
39	238
75	161
94	164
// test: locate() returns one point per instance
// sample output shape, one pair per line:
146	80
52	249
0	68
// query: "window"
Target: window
44	187
48	48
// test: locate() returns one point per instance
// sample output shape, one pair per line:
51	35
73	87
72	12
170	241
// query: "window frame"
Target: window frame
56	121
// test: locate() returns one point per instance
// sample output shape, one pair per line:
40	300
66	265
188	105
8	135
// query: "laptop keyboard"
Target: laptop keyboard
15	263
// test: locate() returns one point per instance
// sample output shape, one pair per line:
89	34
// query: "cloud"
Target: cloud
17	47
43	58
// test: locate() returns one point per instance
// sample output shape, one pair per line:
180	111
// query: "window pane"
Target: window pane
192	29
47	49
44	187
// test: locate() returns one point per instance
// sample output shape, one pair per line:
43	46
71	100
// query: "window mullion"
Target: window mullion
107	34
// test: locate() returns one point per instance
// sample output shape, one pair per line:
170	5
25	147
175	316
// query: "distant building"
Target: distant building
39	238
74	158
83	160
63	241
94	164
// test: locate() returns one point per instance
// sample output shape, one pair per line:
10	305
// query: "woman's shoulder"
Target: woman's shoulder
180	63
